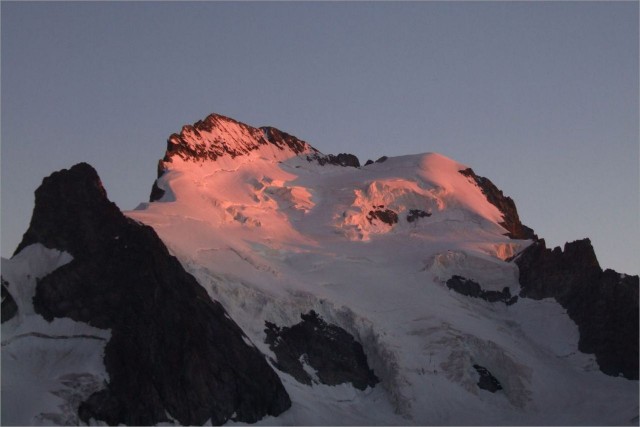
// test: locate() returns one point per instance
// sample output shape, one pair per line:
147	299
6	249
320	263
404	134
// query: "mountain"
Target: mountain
266	282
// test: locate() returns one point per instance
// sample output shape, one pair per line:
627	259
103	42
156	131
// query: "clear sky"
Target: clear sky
542	98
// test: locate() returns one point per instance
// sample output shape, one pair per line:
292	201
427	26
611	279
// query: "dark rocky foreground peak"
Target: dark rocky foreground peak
604	304
515	228
173	351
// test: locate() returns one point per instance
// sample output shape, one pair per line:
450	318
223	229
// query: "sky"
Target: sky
540	97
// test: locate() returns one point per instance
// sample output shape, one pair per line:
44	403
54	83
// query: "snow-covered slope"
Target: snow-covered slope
274	234
47	368
274	229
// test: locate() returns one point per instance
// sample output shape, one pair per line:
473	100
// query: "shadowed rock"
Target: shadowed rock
473	289
9	307
173	351
156	192
487	380
604	304
416	214
328	349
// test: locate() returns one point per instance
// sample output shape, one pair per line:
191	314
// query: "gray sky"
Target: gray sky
542	98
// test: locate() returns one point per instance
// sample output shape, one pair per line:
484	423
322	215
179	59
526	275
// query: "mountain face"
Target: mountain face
268	282
122	278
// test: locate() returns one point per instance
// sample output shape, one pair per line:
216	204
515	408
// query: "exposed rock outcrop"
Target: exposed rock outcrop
342	159
416	214
380	160
516	230
473	289
9	307
328	349
385	215
487	380
173	351
156	192
604	304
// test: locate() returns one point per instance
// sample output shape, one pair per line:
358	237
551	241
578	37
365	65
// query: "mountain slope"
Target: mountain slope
122	279
381	294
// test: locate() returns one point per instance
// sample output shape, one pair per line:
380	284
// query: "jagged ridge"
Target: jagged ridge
495	196
604	304
218	136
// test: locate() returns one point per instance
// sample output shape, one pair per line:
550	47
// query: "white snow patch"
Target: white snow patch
48	368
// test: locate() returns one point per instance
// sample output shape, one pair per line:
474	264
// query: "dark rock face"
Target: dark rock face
604	304
516	230
172	349
416	214
9	307
464	286
156	192
329	349
473	289
487	380
342	159
387	215
380	160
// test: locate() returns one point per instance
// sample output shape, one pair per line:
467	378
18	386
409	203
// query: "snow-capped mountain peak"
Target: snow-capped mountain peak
218	137
266	281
